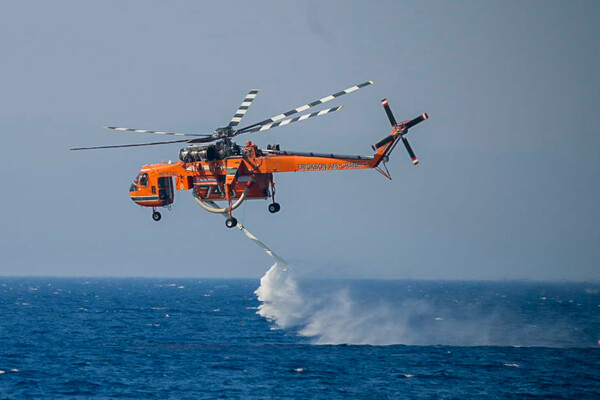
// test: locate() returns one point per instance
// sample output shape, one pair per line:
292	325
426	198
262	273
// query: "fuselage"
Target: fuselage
229	178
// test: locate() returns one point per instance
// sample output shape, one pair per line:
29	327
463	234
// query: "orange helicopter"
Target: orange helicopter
217	169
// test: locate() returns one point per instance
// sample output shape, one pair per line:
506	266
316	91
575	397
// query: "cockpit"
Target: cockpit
140	181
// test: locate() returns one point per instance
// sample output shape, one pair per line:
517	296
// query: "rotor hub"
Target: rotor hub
224	132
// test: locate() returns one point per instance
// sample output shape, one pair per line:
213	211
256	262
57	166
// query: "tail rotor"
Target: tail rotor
401	128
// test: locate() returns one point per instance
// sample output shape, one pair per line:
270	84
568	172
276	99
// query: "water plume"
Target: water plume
411	312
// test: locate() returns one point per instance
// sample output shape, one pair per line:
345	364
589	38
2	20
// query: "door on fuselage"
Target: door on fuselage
165	190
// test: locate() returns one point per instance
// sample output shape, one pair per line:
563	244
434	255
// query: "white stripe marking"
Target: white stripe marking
324	99
278	117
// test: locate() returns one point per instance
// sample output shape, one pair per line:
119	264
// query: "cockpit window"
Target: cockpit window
143	179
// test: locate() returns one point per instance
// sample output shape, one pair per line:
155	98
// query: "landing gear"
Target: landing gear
274	207
230	222
156	216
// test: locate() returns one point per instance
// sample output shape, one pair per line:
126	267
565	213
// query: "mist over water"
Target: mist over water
429	313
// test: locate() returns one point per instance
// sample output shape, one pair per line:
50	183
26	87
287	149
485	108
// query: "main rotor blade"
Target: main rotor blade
239	114
289	121
304	107
129	145
203	140
114	128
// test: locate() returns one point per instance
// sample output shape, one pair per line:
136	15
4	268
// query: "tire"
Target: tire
156	216
230	222
274	207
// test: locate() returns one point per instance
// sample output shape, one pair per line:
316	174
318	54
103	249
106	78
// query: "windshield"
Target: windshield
141	179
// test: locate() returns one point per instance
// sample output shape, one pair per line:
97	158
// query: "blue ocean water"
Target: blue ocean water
201	338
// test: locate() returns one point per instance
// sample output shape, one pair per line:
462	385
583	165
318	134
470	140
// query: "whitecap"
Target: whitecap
512	365
299	369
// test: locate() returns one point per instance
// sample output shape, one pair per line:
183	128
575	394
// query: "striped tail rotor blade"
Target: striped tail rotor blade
241	111
304	107
114	128
417	120
411	153
291	120
388	111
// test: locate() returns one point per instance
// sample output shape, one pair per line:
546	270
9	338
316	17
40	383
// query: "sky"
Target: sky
507	187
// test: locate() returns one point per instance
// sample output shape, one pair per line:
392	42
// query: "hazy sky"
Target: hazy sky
507	188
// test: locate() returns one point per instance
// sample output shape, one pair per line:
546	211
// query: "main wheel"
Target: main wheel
156	216
274	207
230	222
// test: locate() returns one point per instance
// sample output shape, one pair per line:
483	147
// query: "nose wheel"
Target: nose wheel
156	216
274	207
230	222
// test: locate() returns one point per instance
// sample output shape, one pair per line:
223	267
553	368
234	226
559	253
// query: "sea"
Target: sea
287	337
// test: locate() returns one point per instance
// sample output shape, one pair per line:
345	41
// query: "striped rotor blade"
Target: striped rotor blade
239	114
115	128
411	153
128	145
417	120
388	111
295	119
304	107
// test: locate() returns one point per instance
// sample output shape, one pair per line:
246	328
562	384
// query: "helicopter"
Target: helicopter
215	168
